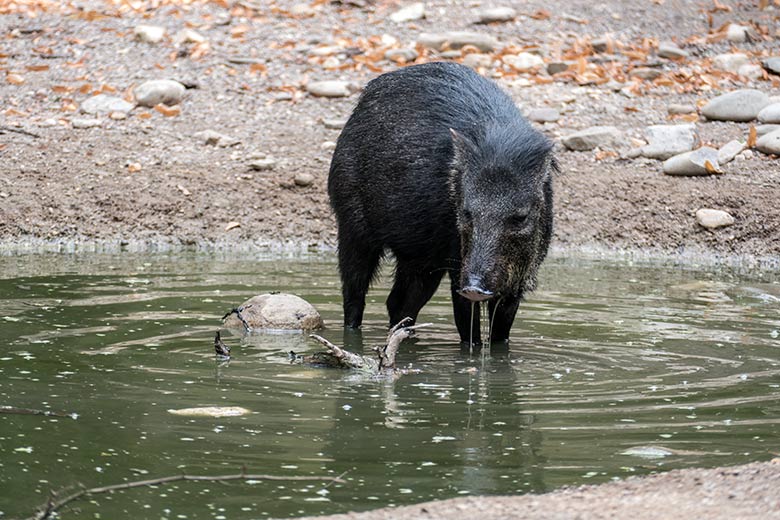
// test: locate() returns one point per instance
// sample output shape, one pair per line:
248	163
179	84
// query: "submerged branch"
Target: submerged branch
51	507
337	357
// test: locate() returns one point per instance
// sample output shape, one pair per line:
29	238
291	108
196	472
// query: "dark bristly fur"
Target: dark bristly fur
438	166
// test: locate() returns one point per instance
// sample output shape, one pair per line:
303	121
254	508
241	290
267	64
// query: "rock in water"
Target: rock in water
165	91
593	137
666	141
713	218
769	143
276	312
740	105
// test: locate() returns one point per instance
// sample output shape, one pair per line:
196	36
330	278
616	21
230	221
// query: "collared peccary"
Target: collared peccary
437	165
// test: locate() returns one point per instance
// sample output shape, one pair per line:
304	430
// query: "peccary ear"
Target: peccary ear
462	147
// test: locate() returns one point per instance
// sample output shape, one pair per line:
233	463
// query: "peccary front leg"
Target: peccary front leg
502	315
357	265
411	291
466	313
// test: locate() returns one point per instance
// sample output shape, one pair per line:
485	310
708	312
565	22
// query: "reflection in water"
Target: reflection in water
608	367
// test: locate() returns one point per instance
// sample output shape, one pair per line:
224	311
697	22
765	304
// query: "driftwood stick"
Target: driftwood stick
4	129
397	334
344	357
53	505
31	411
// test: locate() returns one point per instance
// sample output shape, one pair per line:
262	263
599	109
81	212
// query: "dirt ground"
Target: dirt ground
740	492
148	178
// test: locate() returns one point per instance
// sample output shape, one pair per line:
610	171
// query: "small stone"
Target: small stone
334	124
327	50
713	218
262	165
557	67
104	104
329	88
730	150
457	40
593	137
544	115
303	10
189	36
751	71
165	91
303	179
411	12
737	33
524	61
693	163
739	105
646	73
450	55
118	116
401	55
665	141
85	123
772	65
680	109
762	130
745	155
770	114
600	44
331	63
730	62
496	14
671	51
476	60
149	33
214	138
769	143
276	312
328	146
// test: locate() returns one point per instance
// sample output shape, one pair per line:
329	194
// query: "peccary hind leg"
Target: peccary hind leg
411	291
357	265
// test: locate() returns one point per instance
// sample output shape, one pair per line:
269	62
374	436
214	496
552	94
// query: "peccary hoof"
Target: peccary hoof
275	312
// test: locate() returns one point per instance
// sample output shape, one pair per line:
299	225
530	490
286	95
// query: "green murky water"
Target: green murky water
613	370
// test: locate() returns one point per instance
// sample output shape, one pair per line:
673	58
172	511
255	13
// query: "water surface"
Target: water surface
613	370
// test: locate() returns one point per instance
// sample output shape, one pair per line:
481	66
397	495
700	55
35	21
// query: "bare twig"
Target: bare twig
30	411
237	312
343	357
4	128
53	505
397	334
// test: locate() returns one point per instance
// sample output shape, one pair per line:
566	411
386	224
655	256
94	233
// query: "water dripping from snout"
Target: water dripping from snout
471	326
492	319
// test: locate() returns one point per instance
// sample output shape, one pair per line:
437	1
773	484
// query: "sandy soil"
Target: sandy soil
739	492
82	184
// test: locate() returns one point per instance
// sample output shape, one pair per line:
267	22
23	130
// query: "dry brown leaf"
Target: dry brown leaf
168	111
14	79
13	112
232	225
541	14
710	168
86	88
752	137
145	115
763	4
258	67
61	89
37	68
